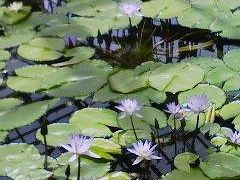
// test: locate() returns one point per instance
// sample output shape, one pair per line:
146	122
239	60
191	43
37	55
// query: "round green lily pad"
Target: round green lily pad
182	161
22	161
39	54
215	95
176	77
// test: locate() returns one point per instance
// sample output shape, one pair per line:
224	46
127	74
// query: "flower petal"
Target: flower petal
73	158
137	160
91	154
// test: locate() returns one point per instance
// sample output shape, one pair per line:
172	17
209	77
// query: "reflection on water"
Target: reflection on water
164	41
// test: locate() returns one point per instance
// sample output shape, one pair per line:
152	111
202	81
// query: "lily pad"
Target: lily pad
176	77
164	9
23	115
23	84
228	24
215	95
149	115
116	176
221	166
89	168
35	71
39	54
232	84
196	174
16	38
4	55
49	43
230	110
12	17
126	137
131	81
8	103
22	161
231	59
183	161
219	75
94	121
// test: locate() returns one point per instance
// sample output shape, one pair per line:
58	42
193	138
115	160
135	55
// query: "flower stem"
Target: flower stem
45	164
130	22
135	134
197	122
79	167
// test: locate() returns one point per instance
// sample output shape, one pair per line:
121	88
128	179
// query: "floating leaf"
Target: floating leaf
8	103
36	53
127	137
94	121
196	174
228	25
206	63
230	110
22	161
183	161
23	84
4	55
49	43
215	95
219	75
12	17
89	168
16	38
164	9
176	77
116	176
232	84
149	115
23	115
131	81
221	166
218	141
231	59
35	71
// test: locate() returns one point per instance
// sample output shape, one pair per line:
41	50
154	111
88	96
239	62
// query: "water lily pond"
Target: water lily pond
120	89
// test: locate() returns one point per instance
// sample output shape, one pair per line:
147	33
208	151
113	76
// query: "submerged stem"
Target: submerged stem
79	167
45	164
135	134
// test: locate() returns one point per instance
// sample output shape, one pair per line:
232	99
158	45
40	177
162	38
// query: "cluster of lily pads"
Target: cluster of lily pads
61	65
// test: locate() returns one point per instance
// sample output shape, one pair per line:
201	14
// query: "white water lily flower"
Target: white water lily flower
16	6
235	137
198	104
129	107
80	145
130	9
144	151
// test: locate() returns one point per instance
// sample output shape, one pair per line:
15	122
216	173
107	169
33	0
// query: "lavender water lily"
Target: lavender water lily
80	145
130	108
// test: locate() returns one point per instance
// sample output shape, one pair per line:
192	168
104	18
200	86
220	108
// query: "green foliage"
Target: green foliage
22	161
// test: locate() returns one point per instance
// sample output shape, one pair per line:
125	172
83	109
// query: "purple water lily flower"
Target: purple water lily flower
50	5
144	151
71	41
176	111
173	108
198	103
130	9
129	107
235	137
80	145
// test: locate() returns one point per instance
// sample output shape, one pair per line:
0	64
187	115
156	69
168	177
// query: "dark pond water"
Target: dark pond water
165	42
